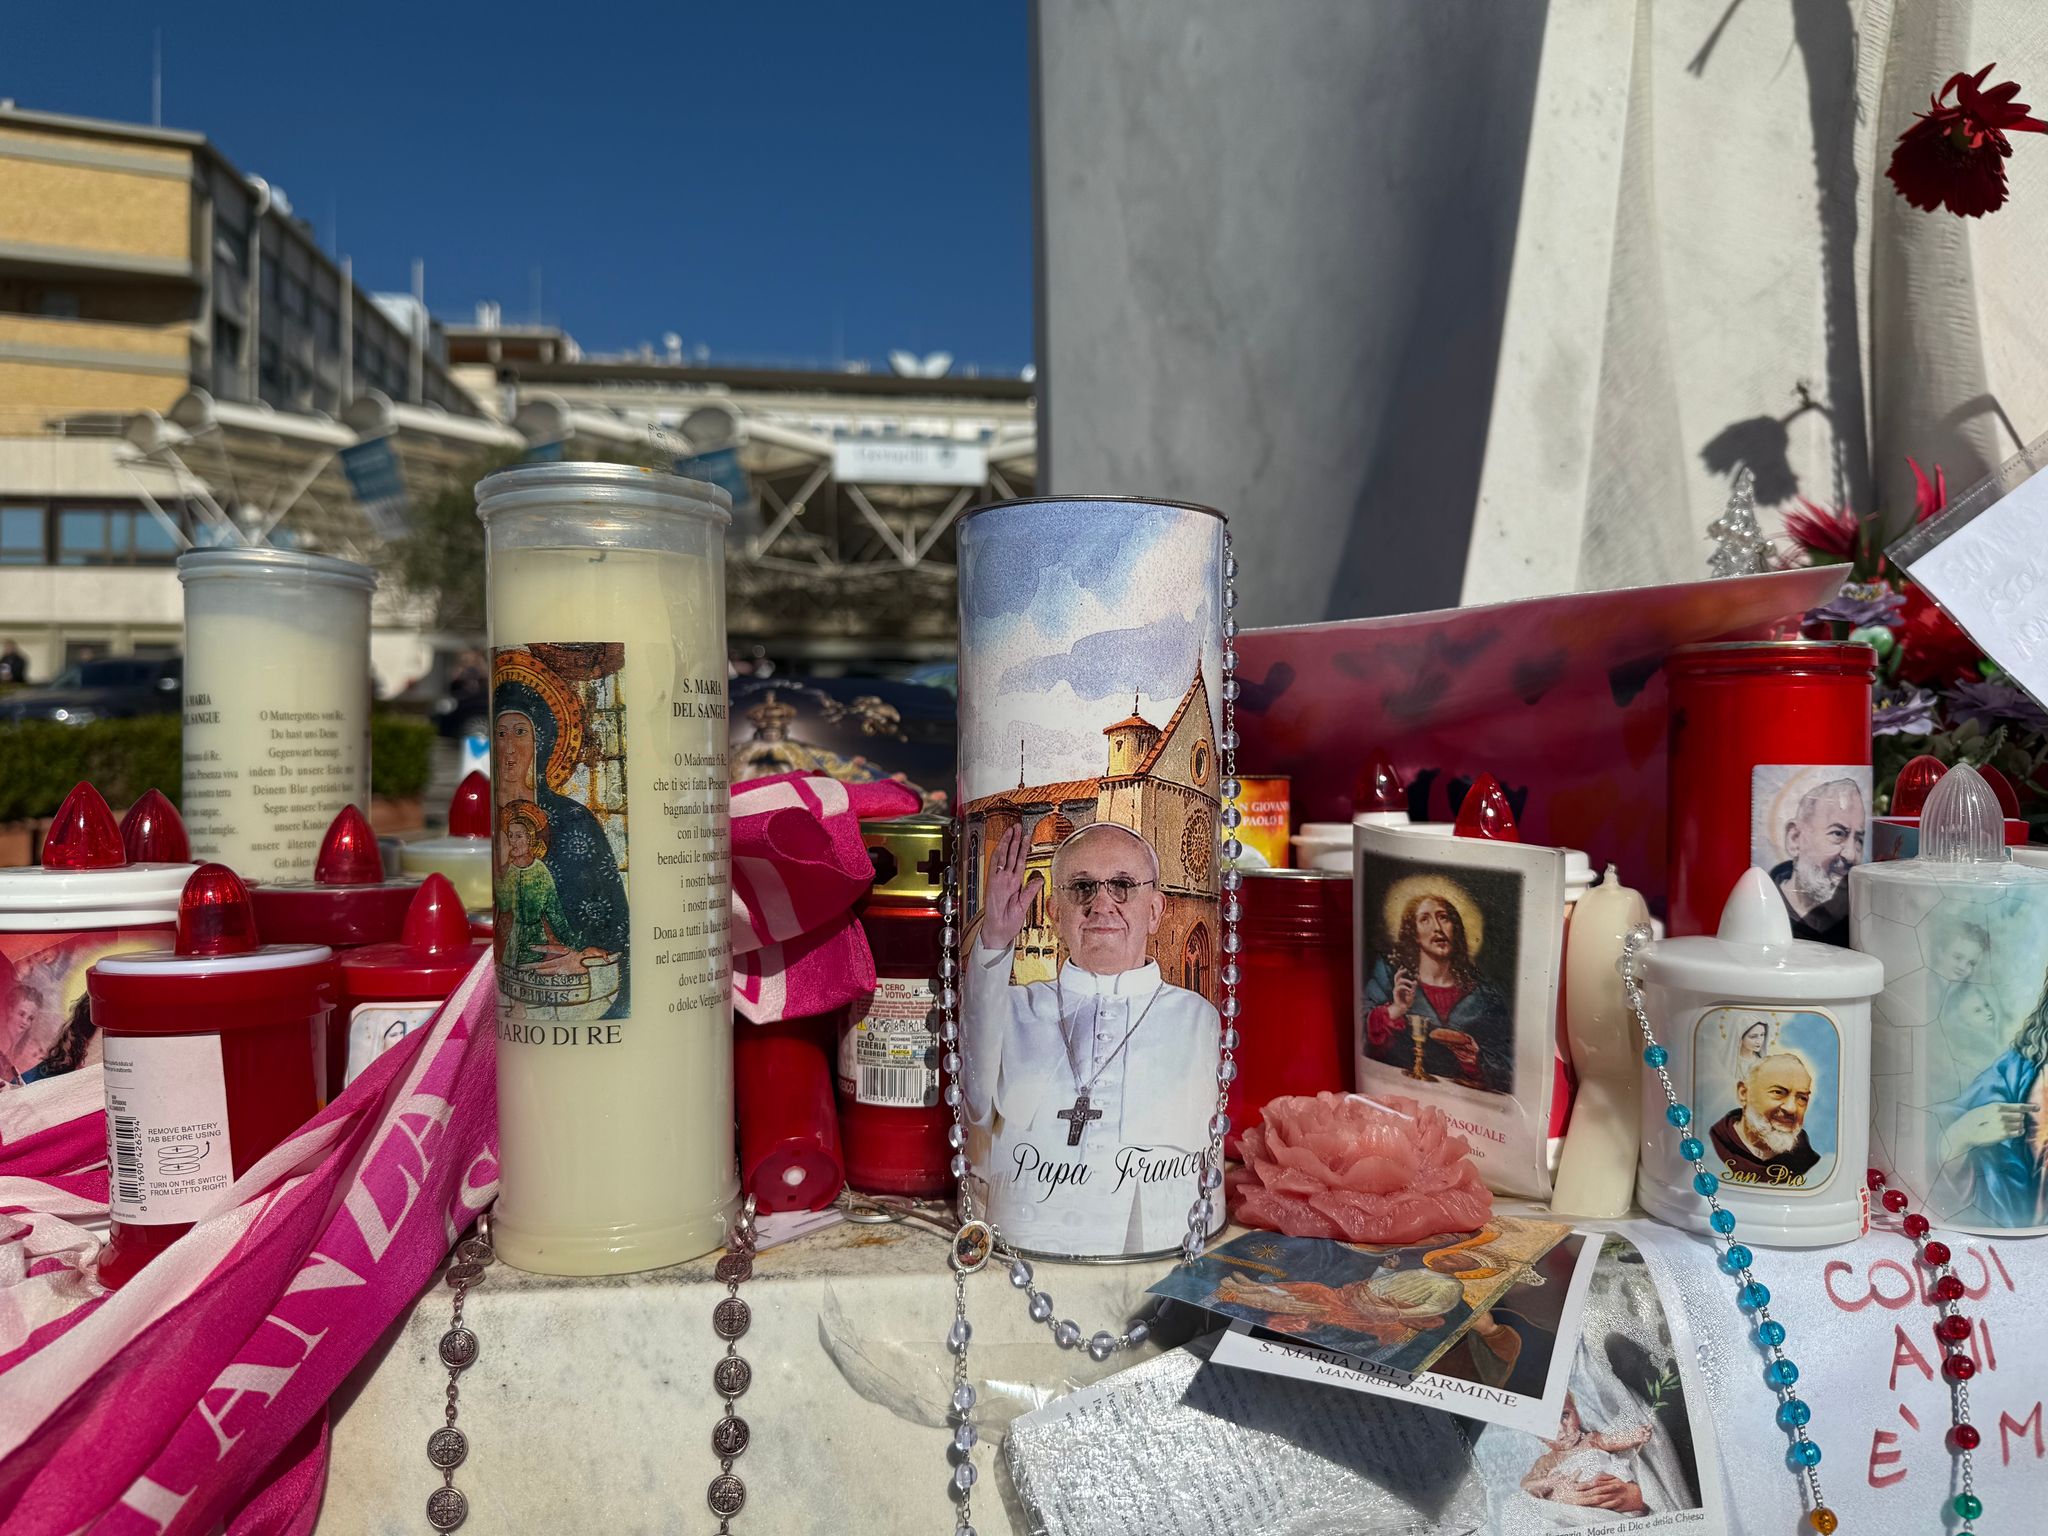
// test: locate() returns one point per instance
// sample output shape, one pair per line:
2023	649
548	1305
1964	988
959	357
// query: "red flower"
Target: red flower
1824	531
1927	499
1933	648
1954	156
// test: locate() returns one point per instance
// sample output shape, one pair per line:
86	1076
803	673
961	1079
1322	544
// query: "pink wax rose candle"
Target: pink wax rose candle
1384	1170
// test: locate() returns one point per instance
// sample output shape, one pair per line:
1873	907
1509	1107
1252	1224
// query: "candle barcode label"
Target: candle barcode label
127	1159
167	1128
891	1057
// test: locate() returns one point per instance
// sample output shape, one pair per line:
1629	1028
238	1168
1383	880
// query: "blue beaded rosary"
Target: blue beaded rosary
1780	1374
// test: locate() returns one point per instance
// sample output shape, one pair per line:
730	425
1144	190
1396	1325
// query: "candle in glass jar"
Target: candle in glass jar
277	703
610	867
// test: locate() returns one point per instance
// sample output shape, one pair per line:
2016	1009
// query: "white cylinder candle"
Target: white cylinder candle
610	866
277	704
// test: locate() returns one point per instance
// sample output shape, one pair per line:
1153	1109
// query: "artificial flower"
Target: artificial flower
1928	498
1823	531
1904	711
1339	1165
1862	604
1954	155
1994	701
1935	648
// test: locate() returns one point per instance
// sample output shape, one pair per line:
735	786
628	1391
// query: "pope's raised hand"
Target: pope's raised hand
1008	894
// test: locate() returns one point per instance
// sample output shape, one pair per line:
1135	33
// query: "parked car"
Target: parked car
116	688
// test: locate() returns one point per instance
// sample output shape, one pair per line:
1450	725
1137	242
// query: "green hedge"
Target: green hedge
401	756
40	760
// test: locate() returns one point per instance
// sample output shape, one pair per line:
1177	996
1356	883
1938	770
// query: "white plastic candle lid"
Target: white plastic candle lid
39	900
1578	873
1962	841
264	562
1755	956
1372	819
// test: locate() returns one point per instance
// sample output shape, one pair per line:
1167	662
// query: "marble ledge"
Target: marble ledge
591	1404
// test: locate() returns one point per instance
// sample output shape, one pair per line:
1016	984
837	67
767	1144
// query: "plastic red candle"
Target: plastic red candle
347	903
389	990
1486	813
892	1125
1909	790
86	901
1746	717
1295	998
213	1057
788	1124
154	833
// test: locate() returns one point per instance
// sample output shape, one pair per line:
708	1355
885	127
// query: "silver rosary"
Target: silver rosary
977	1240
448	1447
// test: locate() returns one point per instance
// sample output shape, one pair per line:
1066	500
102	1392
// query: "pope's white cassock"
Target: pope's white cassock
1031	1052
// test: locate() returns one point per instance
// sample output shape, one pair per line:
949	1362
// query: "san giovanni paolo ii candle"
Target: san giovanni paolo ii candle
610	874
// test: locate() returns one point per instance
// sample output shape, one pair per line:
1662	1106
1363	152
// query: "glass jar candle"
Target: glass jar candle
1296	993
892	1122
1769	765
277	703
611	877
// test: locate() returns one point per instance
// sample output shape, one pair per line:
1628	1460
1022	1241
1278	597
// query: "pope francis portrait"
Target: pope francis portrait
1093	1090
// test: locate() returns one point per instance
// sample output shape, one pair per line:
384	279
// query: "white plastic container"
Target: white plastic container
1769	1046
277	704
1961	1030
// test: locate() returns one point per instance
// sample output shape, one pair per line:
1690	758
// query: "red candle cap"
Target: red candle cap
469	813
2001	786
85	834
1909	791
349	854
1485	813
1379	787
154	833
215	915
435	923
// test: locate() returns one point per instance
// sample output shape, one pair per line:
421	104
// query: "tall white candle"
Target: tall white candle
277	704
611	879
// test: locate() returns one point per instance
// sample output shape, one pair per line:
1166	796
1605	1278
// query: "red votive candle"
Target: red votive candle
789	1129
389	990
1295	996
348	902
213	1055
892	1123
1737	706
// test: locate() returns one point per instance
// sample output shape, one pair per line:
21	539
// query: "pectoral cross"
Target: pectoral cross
1077	1118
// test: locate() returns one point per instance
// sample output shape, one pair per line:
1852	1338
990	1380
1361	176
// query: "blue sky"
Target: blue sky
786	183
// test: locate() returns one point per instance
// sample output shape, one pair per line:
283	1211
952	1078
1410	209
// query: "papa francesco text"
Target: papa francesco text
1134	1165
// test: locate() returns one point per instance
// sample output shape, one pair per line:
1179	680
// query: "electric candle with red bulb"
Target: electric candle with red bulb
90	898
213	1055
347	903
464	853
389	990
154	833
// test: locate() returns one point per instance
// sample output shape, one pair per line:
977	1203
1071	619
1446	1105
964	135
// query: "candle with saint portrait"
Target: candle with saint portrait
1090	654
609	867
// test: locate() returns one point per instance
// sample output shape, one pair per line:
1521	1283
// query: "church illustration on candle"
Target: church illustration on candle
1162	782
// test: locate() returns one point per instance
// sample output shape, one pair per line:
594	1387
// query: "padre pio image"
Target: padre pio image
1090	794
1809	827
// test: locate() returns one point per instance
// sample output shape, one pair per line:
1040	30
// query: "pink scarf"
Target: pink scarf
196	1395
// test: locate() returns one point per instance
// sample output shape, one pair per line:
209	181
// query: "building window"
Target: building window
112	536
230	244
24	538
270	277
327	326
297	301
268	383
59	304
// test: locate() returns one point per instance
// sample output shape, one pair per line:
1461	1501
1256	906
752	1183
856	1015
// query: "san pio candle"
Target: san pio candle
277	703
610	873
